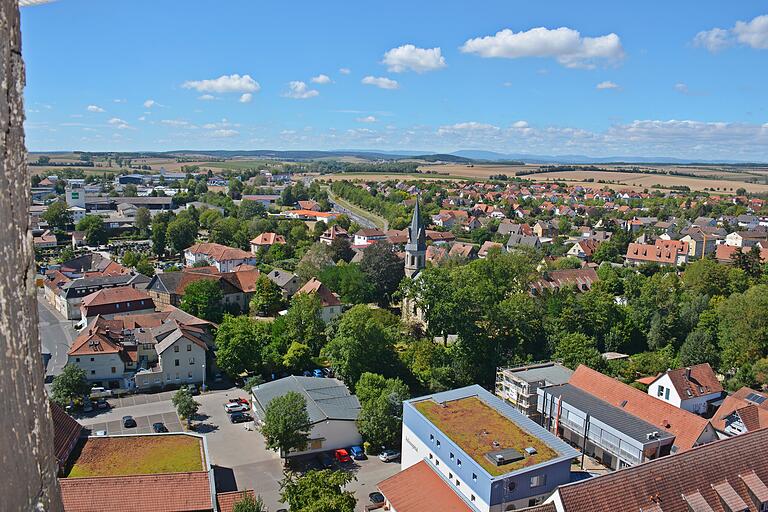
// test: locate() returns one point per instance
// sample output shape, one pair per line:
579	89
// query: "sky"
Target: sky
682	79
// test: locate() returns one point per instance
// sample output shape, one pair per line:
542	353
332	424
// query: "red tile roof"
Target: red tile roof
651	253
668	483
116	295
419	488
66	432
174	492
227	500
268	239
686	426
219	252
738	401
327	297
701	381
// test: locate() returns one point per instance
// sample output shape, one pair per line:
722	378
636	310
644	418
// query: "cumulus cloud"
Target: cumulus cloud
299	90
224	84
564	44
345	71
682	88
381	82
224	133
118	123
206	97
246	97
607	84
176	122
321	79
366	119
753	33
119	100
149	103
409	57
94	108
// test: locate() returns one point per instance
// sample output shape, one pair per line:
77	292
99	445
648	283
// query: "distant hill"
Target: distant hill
492	156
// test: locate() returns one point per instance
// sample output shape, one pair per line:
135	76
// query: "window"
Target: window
431	437
666	394
191	360
474	477
450	475
451	456
176	362
93	372
661	391
177	376
430	456
189	348
169	376
458	462
128	304
176	348
91	359
538	480
437	462
438	441
458	483
189	375
471	497
77	359
114	370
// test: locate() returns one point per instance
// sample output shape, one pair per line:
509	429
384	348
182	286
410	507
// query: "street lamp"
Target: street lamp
203	377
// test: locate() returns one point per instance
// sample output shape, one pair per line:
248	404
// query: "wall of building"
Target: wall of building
332	435
98	367
659	389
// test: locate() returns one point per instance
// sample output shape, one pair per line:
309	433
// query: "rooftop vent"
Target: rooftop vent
531	450
503	457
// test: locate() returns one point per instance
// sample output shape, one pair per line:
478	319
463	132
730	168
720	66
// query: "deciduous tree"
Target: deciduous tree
286	424
203	299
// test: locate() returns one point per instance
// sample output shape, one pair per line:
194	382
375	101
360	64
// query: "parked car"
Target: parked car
389	455
376	497
100	433
342	455
102	404
239	400
240	417
193	390
159	428
357	453
325	460
87	406
129	422
235	407
317	372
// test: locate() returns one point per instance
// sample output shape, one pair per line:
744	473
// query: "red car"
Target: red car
342	455
243	401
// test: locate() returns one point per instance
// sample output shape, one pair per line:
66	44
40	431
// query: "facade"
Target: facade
179	357
332	233
109	302
332	410
265	241
67	296
224	258
368	236
695	388
518	385
329	302
661	253
475	454
744	411
288	282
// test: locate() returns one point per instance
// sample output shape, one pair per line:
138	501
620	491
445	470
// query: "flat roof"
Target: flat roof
478	428
138	455
550	372
611	415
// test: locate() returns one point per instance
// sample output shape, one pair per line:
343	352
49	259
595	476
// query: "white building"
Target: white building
224	258
693	388
332	410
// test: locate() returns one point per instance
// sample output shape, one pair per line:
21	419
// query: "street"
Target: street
56	335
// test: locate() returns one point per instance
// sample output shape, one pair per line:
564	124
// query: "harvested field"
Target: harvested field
474	427
138	455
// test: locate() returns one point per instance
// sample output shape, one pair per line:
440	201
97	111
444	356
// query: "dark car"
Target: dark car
129	422
240	417
159	428
325	460
376	497
193	390
102	404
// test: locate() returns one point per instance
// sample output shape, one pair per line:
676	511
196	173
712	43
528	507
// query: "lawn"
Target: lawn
141	455
474	426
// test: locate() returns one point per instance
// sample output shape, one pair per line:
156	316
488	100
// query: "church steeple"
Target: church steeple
416	248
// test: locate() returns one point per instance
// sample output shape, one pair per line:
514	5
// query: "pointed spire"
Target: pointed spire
416	233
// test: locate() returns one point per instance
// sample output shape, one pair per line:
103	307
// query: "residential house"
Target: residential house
518	385
584	249
311	215
168	288
552	280
364	237
66	433
662	253
488	246
463	250
746	238
46	240
66	295
266	200
170	355
700	242
310	205
726	253
746	410
265	241
694	388
329	301
288	282
543	229
332	233
332	410
224	258
109	302
520	241
105	361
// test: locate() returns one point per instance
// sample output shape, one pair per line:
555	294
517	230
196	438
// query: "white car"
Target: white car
235	407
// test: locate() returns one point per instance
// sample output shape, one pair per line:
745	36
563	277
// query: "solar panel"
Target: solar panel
755	398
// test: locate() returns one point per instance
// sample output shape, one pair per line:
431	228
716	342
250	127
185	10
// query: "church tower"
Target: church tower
416	248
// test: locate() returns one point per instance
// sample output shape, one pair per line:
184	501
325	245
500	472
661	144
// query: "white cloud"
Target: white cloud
345	71
366	119
682	88
520	124
507	84
224	133
175	122
206	97
713	40
149	103
607	84
409	57
753	33
246	97
142	118
321	79
94	108
224	84
564	44
118	123
381	82
298	90
120	100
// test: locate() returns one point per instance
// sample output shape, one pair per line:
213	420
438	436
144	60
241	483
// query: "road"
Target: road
56	335
364	222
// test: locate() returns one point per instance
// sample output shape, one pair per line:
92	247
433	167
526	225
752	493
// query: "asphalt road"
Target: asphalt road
355	217
56	335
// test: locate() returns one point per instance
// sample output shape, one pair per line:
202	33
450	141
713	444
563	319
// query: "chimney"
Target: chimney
688	372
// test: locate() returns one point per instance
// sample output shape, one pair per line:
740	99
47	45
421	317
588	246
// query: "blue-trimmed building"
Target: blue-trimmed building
532	476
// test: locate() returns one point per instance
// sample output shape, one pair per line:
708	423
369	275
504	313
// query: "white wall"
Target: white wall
101	367
666	383
335	434
180	374
696	405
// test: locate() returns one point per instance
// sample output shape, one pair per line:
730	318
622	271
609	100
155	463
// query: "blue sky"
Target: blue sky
682	79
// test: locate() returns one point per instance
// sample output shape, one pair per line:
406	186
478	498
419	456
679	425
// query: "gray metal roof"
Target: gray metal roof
615	417
554	373
327	399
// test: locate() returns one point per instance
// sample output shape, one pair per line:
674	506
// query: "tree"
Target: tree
71	383
707	277
143	220
181	233
130	190
341	249
315	260
303	324
575	349
209	217
186	406
94	229
224	230
66	254
286	424
381	415
250	209
699	347
318	491
267	297
159	234
203	299
57	215
130	259
144	266
743	328
349	282
298	357
384	270
248	503
239	343
252	382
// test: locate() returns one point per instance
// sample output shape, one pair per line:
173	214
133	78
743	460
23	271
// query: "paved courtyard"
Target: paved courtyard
143	424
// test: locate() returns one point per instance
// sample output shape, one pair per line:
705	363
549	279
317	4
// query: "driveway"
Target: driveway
143	424
56	334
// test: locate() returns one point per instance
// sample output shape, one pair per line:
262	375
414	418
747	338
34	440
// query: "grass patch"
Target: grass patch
474	426
142	455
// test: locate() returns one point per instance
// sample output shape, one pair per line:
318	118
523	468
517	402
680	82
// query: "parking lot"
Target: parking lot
143	424
140	399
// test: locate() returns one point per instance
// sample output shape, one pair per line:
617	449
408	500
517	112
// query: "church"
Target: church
415	261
